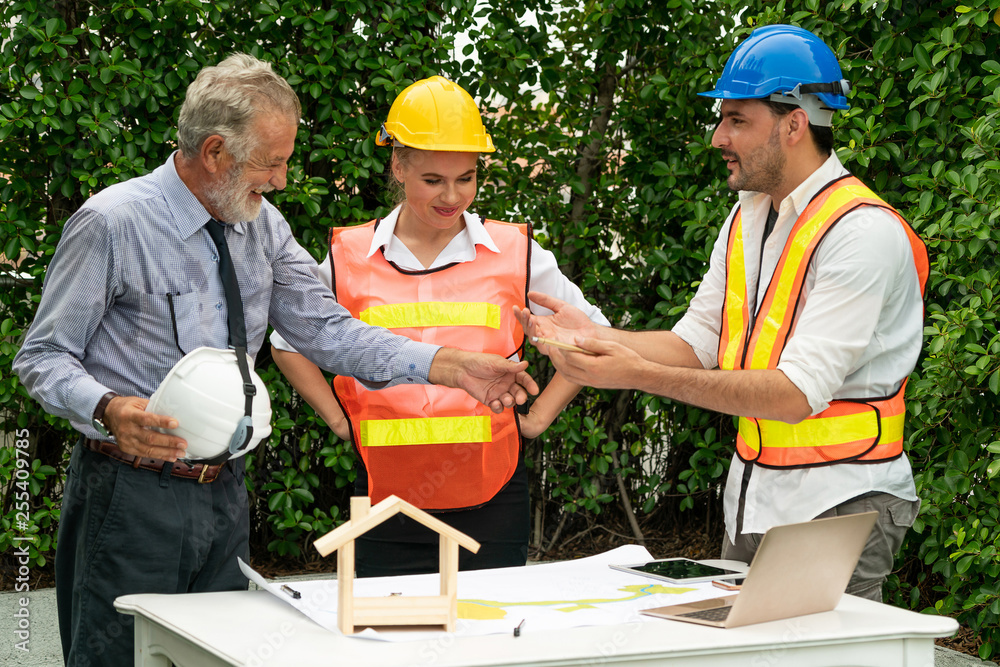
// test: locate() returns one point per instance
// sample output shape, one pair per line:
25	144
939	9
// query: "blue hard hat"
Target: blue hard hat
782	59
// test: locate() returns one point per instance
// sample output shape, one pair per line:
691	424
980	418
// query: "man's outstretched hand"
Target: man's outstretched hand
564	324
495	382
599	362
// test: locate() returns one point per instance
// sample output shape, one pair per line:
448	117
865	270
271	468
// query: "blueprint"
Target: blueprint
538	598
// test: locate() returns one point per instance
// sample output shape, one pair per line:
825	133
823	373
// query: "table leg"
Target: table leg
918	652
144	650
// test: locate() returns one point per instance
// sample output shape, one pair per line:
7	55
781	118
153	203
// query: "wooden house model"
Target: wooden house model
436	610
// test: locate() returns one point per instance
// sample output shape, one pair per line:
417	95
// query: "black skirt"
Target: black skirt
401	545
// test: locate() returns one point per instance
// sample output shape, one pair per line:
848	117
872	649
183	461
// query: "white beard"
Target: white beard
230	200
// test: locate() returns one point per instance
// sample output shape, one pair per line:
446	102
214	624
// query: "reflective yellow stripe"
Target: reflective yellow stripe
426	431
433	314
823	431
735	297
748	432
770	322
846	430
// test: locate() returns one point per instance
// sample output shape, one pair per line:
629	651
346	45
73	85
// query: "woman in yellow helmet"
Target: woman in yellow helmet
437	273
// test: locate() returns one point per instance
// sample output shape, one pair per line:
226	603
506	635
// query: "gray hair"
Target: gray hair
225	100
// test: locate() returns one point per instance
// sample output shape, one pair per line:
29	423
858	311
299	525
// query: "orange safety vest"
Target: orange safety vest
863	430
435	447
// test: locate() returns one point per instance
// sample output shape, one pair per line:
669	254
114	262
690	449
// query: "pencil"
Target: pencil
562	346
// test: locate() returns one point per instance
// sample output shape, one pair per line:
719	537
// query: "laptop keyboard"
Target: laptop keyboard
716	614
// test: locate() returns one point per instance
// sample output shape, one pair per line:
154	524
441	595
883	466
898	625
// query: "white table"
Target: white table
254	628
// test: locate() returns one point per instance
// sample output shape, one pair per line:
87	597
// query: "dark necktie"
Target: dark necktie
234	302
237	338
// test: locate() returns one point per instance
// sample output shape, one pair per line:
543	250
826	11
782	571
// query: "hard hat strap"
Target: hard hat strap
841	87
805	95
237	338
249	391
383	138
819	114
244	428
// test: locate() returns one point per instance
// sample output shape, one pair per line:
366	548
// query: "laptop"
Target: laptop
799	569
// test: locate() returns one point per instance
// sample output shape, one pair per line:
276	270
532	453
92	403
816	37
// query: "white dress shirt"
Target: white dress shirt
545	274
859	332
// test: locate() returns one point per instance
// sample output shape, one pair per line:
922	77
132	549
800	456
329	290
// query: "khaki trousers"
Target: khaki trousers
895	516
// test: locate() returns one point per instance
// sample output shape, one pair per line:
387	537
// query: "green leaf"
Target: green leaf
275	500
128	68
12	247
923	59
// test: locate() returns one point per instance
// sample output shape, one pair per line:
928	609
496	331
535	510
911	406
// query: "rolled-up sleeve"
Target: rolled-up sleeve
858	279
701	325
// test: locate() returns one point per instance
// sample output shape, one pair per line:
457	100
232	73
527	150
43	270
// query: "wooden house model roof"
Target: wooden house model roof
386	509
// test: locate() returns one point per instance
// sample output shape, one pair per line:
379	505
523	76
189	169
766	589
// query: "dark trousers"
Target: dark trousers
124	530
895	516
401	545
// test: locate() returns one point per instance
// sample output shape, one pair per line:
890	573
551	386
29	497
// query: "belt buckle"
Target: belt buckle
201	477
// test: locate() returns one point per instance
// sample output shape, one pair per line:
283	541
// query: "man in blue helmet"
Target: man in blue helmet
806	324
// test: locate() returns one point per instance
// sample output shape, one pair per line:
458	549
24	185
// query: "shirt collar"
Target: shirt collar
799	198
189	215
477	232
473	227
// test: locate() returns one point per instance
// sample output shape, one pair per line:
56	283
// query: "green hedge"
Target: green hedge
604	148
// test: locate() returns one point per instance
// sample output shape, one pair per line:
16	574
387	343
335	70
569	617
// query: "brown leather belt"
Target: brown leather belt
198	471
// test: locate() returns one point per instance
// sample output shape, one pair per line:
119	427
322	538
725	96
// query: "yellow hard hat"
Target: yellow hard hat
435	115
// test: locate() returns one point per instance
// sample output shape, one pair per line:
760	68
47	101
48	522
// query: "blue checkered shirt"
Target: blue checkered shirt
106	322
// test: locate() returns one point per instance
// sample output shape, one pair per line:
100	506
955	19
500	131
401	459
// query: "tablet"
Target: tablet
680	570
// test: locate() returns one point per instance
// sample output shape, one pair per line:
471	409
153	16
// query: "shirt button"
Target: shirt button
215	258
218	306
413	367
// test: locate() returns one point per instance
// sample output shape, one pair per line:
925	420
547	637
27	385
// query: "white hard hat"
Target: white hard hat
204	393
